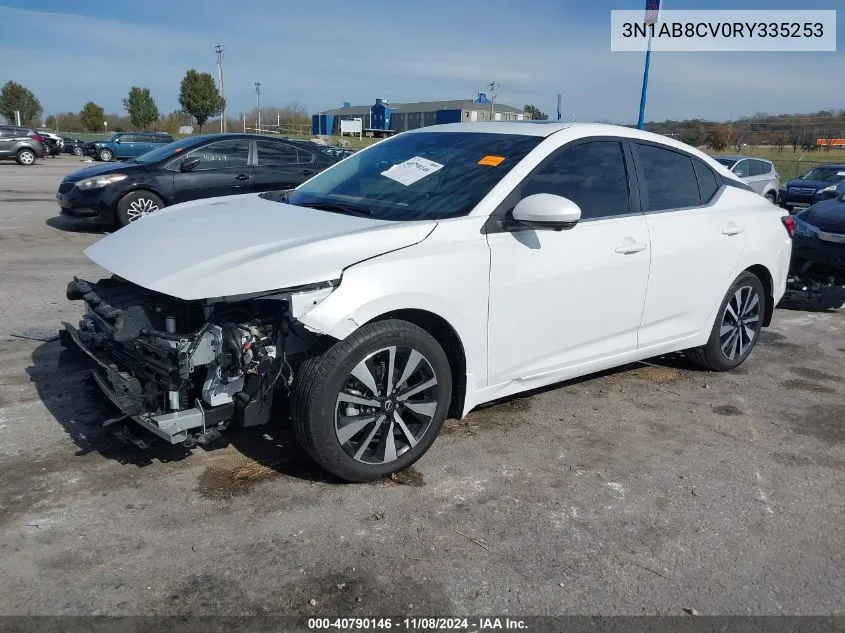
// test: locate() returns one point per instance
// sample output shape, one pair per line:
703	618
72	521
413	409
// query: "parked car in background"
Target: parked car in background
802	192
758	173
437	270
51	145
195	167
817	269
22	144
73	146
123	145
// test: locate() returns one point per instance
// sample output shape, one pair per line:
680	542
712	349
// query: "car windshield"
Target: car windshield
825	174
166	151
416	176
727	162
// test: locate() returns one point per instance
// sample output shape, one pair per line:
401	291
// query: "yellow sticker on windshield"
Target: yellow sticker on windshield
492	161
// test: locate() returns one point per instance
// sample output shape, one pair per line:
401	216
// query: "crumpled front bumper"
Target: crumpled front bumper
124	391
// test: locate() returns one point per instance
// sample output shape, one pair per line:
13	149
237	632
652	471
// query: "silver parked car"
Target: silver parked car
758	173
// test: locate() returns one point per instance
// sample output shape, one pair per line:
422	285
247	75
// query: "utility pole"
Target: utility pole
492	86
219	50
258	97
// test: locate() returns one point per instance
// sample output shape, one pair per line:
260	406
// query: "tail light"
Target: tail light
39	139
789	224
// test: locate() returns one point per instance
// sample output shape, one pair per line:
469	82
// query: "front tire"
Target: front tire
25	157
136	205
737	327
106	155
372	404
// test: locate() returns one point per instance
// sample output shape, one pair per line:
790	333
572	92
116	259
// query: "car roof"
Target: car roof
548	128
830	166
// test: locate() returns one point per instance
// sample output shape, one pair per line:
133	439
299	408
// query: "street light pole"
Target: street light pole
652	17
258	97
219	50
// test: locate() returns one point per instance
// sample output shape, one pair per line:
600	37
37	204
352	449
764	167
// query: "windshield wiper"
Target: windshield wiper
335	207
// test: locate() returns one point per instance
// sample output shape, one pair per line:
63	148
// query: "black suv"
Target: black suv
196	167
22	144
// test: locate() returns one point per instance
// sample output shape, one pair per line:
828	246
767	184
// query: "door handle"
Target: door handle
307	172
631	247
241	177
732	229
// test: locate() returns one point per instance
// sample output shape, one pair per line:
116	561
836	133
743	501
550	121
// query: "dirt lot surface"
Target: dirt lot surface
652	489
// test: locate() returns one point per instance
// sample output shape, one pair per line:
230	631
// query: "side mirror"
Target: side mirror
547	211
117	140
189	164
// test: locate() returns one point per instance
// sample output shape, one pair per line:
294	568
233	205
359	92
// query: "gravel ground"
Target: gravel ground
648	490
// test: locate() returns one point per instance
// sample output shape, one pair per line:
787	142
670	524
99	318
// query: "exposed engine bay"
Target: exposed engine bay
187	370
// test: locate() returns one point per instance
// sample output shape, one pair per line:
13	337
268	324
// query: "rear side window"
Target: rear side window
669	177
756	168
707	184
271	154
590	174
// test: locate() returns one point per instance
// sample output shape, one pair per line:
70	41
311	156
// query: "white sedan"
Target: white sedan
434	271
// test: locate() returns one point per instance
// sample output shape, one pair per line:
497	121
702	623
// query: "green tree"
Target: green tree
14	96
535	113
141	107
199	97
92	116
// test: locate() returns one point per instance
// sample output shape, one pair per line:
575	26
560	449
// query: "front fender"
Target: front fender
434	276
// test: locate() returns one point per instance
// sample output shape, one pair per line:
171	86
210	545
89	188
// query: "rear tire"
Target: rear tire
106	155
737	326
772	197
25	157
373	403
136	205
77	151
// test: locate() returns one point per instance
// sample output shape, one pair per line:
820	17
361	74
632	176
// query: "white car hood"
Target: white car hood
245	244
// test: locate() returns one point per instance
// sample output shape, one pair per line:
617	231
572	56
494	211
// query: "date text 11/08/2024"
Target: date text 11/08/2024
427	624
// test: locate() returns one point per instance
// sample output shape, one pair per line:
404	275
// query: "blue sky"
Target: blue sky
323	53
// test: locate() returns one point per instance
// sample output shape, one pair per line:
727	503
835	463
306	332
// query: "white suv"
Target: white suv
757	173
434	271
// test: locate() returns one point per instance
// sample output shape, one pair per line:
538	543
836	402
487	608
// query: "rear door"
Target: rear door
281	165
143	144
696	242
223	170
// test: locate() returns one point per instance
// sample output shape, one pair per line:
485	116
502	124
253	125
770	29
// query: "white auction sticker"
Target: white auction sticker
412	170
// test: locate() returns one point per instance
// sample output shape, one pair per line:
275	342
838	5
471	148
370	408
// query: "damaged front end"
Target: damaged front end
188	370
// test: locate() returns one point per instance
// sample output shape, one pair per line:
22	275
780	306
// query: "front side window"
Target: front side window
417	176
742	169
590	174
669	178
220	155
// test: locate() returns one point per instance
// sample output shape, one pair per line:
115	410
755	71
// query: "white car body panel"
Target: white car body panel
530	308
245	244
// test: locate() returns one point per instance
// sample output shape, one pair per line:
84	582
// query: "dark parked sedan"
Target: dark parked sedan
73	146
192	168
